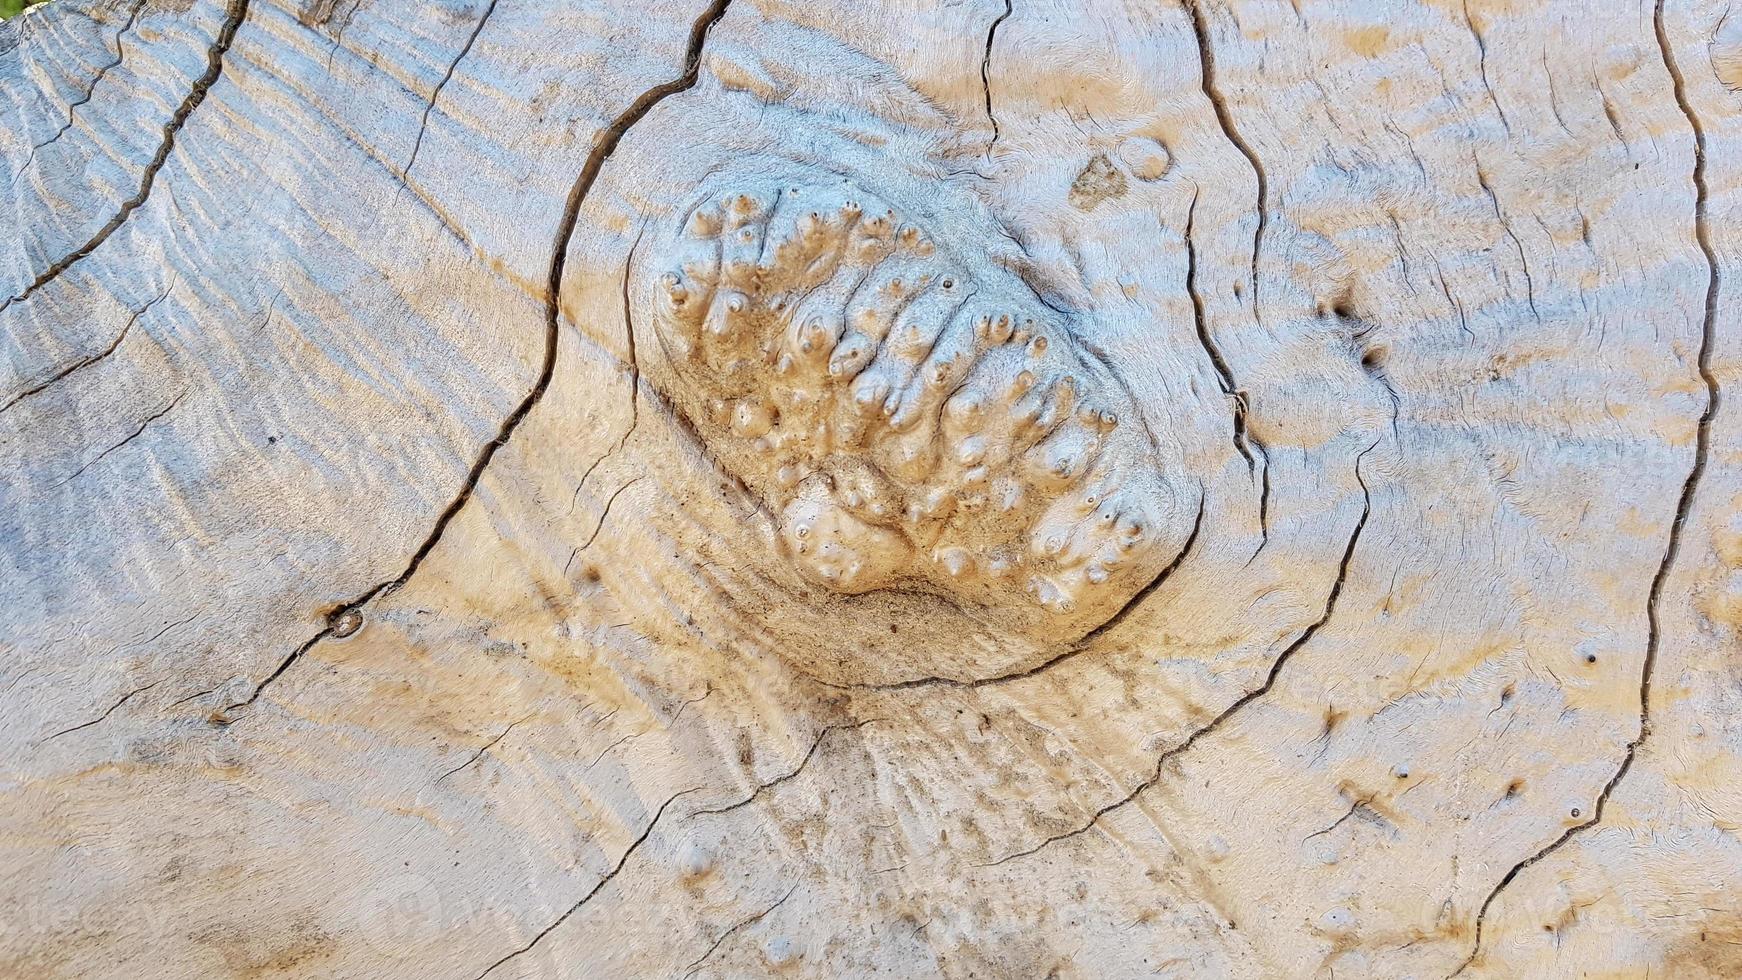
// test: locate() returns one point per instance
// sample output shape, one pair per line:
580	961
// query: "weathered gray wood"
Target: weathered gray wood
376	609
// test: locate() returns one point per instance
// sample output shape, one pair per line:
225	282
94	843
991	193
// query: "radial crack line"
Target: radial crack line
1276	665
1684	504
238	10
603	146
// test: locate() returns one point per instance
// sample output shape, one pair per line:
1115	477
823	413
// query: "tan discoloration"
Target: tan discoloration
936	423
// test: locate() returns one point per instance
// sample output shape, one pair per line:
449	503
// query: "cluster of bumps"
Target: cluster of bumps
909	422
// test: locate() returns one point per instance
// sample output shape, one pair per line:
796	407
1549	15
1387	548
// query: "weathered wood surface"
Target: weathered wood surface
385	595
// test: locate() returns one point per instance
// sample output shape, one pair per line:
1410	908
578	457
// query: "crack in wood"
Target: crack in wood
238	10
104	716
603	146
634	366
1223	373
696	966
482	749
1276	666
1684	503
604	879
85	96
436	93
606	512
986	73
136	433
1482	52
1207	76
1244	441
1079	647
87	361
826	731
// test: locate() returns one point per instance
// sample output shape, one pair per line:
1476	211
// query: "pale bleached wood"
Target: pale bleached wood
1453	262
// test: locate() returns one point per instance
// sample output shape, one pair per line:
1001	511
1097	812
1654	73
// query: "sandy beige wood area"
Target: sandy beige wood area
996	488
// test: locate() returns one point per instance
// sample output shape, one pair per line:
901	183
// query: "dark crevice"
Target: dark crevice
1684	503
1244	440
339	33
1482	53
607	750
1506	226
629	342
1079	647
696	965
104	716
1463	318
606	512
160	413
422	197
1402	247
482	749
604	879
695	700
295	655
791	774
84	97
197	694
986	74
1263	499
1609	114
1207	74
603	146
1136	600
1554	95
1372	358
436	93
166	628
1276	665
1217	361
87	361
238	9
585	474
634	380
1354	807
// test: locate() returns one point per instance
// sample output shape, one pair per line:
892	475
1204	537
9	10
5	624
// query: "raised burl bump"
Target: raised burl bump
911	415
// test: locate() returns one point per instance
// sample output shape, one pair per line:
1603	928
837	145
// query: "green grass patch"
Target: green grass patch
12	8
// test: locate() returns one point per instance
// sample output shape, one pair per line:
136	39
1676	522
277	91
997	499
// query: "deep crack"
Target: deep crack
1080	646
87	361
89	92
603	146
1684	504
436	93
606	512
634	380
238	10
482	749
1482	52
791	774
1276	665
104	716
604	879
1207	76
136	433
1512	236
986	73
696	966
1244	440
1223	373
